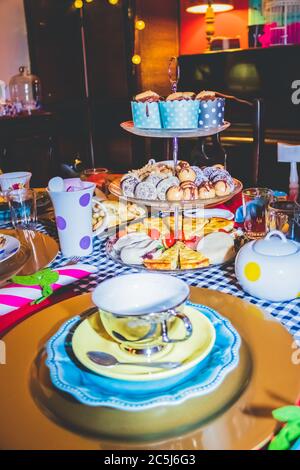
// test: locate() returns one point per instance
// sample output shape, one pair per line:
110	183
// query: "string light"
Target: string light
136	59
113	2
78	4
88	1
140	25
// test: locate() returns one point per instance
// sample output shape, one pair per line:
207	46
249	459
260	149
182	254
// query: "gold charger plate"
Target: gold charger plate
14	264
42	249
236	416
115	189
90	335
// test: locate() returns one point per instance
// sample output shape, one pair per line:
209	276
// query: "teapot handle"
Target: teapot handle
276	233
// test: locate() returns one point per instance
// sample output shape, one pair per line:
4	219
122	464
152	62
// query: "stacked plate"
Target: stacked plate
203	361
13	256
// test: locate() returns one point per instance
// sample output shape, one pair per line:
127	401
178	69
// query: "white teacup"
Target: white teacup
137	310
15	180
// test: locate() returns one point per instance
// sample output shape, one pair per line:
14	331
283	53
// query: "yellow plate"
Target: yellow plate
90	335
238	415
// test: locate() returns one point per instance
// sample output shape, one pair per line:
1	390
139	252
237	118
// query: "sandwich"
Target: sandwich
190	259
168	261
217	224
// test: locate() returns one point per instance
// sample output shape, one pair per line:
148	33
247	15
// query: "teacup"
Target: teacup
15	180
139	310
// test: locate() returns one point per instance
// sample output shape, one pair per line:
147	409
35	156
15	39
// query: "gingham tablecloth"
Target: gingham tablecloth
221	279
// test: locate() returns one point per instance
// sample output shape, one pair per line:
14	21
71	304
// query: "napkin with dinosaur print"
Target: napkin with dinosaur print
29	290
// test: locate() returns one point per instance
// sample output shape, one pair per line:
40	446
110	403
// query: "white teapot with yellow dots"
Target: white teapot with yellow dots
270	268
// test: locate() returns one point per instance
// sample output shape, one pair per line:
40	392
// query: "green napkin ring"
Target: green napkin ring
44	279
291	431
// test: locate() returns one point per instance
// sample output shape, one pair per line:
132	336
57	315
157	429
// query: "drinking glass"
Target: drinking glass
281	217
99	176
22	204
255	204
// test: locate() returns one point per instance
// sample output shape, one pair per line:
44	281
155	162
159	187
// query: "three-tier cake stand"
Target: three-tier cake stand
175	135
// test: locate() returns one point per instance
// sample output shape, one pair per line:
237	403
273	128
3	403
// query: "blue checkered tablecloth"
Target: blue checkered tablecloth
221	279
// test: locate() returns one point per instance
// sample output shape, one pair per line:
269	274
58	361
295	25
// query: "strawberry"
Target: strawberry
169	241
192	243
154	233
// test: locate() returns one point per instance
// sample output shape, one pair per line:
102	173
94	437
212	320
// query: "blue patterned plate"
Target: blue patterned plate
94	390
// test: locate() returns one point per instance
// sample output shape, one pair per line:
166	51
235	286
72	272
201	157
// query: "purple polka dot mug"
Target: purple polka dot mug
73	215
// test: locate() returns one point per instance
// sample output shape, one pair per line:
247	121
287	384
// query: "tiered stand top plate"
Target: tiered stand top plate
115	189
169	133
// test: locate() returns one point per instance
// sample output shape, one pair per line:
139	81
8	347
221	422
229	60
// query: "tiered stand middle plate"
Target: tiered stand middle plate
115	189
166	206
128	126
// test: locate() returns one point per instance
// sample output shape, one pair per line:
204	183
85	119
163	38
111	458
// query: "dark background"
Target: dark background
56	31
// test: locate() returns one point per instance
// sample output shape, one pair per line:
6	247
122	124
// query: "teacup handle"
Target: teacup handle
188	328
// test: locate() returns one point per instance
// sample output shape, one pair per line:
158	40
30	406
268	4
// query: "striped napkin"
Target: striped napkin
15	296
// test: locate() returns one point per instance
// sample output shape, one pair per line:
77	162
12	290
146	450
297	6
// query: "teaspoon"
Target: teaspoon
107	360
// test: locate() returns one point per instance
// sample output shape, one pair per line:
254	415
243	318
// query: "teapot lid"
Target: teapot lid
276	244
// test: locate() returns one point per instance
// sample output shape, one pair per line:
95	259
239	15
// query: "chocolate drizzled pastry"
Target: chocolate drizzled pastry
207	190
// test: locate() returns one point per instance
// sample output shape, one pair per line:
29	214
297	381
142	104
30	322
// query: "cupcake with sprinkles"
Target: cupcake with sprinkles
145	110
180	110
211	109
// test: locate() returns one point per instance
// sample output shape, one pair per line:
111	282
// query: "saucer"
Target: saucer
96	390
90	335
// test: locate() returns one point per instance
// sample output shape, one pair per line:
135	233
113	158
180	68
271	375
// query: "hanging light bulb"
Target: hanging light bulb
140	25
78	4
113	2
136	59
88	1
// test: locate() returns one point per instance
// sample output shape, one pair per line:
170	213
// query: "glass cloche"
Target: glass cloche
25	90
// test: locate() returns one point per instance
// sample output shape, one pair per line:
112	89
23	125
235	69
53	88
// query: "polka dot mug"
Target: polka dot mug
73	215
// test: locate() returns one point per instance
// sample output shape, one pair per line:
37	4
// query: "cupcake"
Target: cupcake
145	110
211	110
180	111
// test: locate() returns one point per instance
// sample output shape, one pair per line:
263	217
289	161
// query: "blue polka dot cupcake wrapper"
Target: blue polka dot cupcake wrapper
179	114
146	115
211	113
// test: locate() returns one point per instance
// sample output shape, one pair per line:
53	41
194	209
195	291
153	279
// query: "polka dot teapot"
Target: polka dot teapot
269	268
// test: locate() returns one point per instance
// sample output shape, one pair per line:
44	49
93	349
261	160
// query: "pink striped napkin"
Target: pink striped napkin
16	296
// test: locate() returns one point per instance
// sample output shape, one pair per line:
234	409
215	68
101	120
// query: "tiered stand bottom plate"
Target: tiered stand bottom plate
235	416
